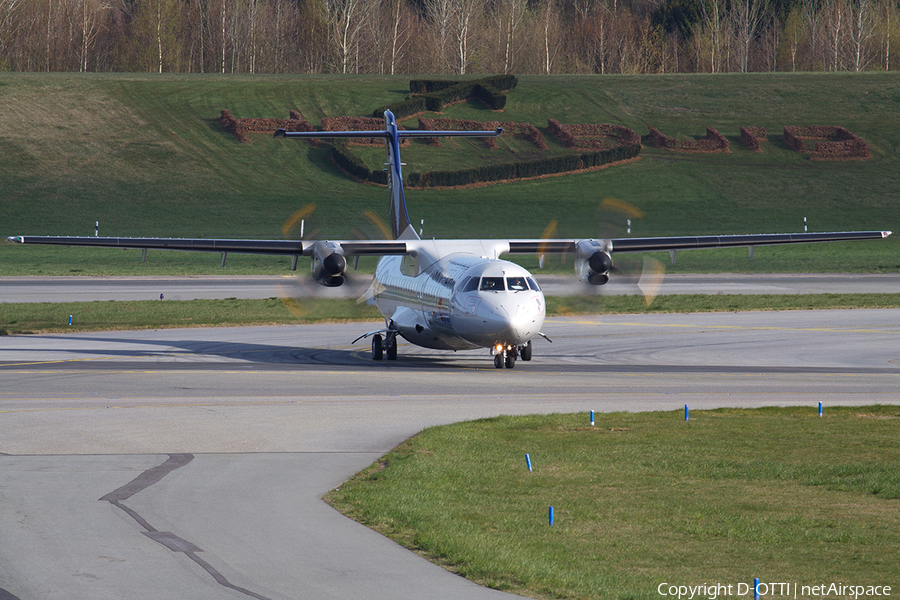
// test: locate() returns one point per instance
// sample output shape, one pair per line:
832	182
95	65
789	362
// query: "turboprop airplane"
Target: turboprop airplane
448	294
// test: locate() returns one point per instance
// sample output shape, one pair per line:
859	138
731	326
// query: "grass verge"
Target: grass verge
644	499
141	154
47	317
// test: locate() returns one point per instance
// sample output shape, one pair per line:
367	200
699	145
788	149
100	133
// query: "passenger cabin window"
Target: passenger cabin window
516	284
492	284
533	284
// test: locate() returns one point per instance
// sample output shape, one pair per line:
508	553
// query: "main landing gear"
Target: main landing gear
386	345
506	356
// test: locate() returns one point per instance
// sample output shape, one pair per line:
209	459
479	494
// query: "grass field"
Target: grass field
142	154
647	498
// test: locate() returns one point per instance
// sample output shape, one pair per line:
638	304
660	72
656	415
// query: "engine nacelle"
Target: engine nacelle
592	261
328	264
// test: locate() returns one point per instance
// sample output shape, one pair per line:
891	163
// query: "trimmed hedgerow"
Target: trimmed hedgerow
428	86
525	130
438	94
239	128
526	169
353	164
837	142
358	124
713	142
409	107
573	136
752	137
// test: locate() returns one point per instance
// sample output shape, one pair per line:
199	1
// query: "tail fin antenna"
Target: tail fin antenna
401	227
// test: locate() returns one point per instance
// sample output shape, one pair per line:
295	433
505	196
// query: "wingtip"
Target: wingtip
14	239
884	234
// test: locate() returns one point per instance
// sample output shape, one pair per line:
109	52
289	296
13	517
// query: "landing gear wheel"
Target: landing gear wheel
377	347
525	353
498	361
392	349
510	360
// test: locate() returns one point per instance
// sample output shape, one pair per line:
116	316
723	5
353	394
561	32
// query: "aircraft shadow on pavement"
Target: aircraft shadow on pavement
219	354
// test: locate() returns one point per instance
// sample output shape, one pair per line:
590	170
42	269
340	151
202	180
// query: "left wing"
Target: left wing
593	258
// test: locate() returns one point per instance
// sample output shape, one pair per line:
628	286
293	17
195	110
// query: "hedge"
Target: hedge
525	169
753	136
353	164
427	86
239	128
840	143
569	135
713	142
440	93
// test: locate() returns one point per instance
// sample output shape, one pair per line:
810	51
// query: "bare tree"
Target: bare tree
746	17
552	39
346	19
93	13
862	29
889	30
834	15
11	23
714	30
440	14
510	14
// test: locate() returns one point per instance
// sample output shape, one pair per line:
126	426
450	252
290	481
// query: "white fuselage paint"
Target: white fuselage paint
435	298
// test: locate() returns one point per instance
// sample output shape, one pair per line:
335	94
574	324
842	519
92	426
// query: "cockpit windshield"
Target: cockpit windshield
492	284
516	284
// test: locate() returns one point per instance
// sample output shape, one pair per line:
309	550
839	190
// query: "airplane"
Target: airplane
448	294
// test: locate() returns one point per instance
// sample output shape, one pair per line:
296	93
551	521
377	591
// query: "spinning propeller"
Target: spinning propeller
593	262
329	277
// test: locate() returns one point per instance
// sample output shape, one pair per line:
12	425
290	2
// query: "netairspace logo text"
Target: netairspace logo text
712	591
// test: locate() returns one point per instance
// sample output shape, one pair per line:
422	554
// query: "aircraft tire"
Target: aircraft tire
510	360
526	351
377	347
392	351
498	361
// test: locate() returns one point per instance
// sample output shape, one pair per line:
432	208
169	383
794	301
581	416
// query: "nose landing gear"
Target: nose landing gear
506	356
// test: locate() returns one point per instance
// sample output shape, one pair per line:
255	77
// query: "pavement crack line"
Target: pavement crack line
167	539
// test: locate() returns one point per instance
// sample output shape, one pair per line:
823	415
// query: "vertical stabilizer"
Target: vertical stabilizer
401	228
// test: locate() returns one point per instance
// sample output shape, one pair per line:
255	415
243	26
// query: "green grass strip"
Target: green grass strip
155	314
643	499
49	317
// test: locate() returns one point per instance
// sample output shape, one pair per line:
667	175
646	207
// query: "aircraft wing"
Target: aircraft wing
272	247
397	247
668	244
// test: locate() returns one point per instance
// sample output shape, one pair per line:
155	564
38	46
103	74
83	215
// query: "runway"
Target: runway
87	289
190	463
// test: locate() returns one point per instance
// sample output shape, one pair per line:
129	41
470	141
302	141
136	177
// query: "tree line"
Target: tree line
448	36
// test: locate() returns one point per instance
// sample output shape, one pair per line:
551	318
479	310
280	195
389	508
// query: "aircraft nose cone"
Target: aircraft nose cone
520	321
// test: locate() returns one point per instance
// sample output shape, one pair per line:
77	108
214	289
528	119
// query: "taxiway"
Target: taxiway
191	462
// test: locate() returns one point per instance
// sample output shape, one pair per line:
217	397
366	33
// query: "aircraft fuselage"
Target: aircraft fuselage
459	301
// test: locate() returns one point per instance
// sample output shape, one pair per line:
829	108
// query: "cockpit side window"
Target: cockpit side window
533	284
492	284
469	285
516	284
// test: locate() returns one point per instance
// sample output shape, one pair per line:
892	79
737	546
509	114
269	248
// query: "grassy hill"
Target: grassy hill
143	155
